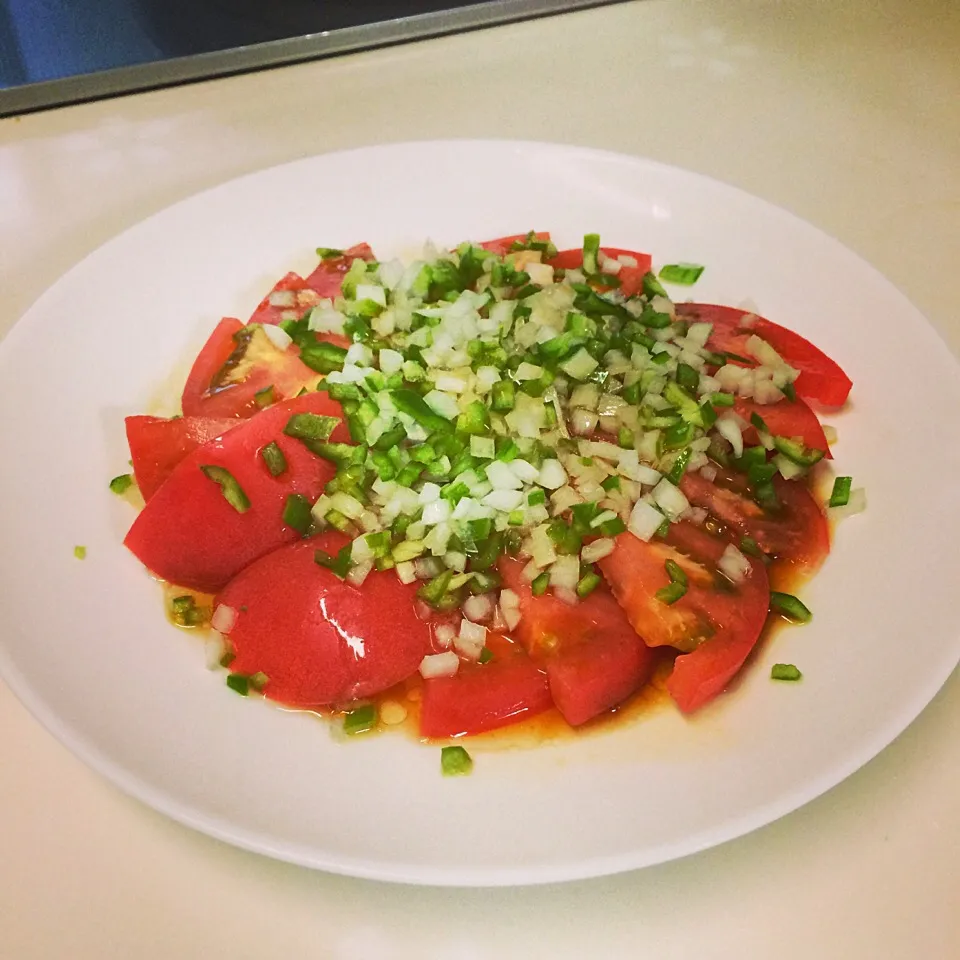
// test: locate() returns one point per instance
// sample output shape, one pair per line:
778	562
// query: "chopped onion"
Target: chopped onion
645	520
552	474
442	404
406	571
359	572
733	564
597	550
224	618
277	336
439	665
523	470
443	635
583	422
478	608
503	500
729	429
670	499
510	608
470	640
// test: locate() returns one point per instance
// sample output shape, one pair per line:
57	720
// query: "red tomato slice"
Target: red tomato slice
718	622
631	278
318	639
190	535
501	246
484	696
236	363
157	445
593	656
793	419
797	534
820	377
327	279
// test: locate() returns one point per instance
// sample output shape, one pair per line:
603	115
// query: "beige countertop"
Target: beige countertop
846	114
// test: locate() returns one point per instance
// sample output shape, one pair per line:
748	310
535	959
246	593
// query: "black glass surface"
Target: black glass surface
58	51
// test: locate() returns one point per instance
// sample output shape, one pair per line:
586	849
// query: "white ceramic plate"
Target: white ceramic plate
85	644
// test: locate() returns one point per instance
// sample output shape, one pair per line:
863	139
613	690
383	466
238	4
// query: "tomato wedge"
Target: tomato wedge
318	639
189	534
785	418
820	378
158	444
797	533
631	278
485	696
716	623
327	279
237	362
592	655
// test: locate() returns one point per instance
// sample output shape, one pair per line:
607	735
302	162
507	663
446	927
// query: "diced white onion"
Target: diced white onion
443	634
442	404
580	365
670	499
510	608
478	608
359	572
224	618
645	520
277	336
406	571
372	291
450	383
528	371
503	500
523	470
597	550
733	564
502	476
443	664
391	361
586	395
552	475
436	512
729	429
470	640
583	422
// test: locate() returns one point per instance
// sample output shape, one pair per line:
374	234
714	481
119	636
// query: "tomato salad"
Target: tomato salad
517	478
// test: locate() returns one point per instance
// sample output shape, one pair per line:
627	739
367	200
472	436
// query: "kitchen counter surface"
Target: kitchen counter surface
847	115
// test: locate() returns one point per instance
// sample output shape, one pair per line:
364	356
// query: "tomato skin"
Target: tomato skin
190	535
501	245
785	418
631	278
593	657
158	444
318	639
281	369
214	354
481	697
820	379
327	279
722	626
798	535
